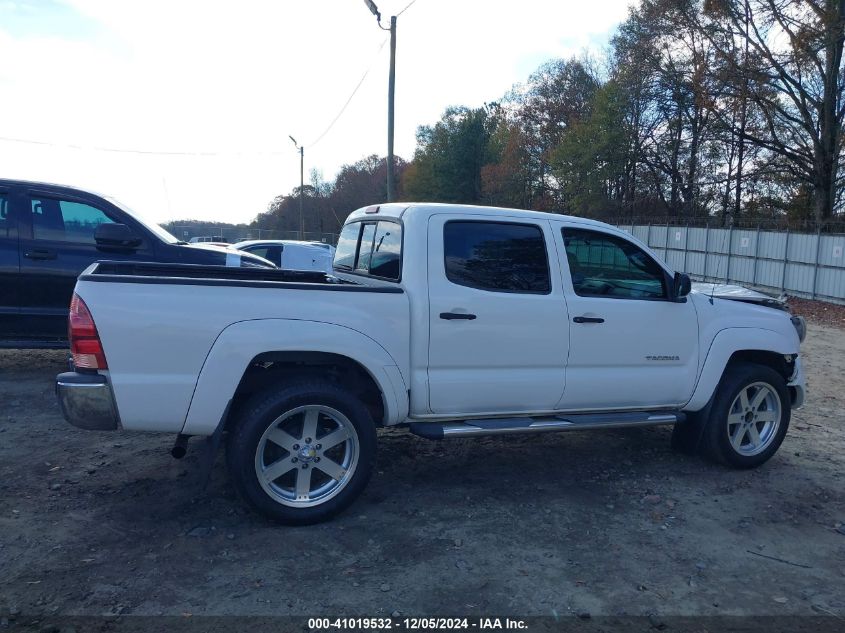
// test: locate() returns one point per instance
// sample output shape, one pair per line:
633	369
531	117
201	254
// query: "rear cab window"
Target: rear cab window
373	249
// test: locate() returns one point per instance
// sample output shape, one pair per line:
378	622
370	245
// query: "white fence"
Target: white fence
810	265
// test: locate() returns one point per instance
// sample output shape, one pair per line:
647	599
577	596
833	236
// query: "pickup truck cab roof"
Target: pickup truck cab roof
401	209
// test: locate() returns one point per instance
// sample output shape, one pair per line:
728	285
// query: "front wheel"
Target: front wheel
749	417
302	453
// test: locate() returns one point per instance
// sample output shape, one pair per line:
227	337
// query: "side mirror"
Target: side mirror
681	285
116	236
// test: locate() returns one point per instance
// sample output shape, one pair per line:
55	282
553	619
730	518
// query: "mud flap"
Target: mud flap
686	436
208	452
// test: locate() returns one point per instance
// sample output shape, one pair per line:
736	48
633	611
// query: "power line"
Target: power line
120	150
363	77
408	6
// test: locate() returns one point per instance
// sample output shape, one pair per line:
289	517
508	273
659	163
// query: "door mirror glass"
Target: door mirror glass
682	285
116	236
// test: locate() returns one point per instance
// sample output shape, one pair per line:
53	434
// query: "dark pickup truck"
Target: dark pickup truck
51	233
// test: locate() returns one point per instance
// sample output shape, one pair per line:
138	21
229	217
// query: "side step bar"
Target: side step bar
574	422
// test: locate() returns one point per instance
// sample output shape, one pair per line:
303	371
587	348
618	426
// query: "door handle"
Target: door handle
40	253
450	316
584	319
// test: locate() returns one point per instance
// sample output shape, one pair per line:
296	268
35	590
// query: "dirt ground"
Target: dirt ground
605	523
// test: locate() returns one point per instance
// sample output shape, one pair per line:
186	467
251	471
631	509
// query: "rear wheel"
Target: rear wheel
302	453
749	416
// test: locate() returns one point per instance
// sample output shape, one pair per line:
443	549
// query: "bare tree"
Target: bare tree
797	82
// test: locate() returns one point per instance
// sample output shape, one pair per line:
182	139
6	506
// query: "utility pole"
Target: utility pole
301	186
391	86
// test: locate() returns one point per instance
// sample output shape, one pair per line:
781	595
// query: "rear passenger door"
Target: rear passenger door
9	267
56	244
499	332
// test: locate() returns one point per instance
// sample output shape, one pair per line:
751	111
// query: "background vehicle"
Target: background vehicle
213	239
292	254
459	321
51	233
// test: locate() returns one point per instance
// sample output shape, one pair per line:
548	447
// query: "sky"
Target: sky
183	109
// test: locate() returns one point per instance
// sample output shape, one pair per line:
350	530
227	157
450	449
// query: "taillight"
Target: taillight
85	346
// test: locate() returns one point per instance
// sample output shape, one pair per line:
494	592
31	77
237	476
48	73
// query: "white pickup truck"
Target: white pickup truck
454	320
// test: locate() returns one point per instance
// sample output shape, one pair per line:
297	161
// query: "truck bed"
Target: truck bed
159	323
203	275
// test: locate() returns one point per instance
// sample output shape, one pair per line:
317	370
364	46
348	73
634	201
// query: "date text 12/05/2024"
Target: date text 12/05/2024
429	623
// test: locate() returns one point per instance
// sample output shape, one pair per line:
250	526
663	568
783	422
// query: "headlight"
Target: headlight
800	326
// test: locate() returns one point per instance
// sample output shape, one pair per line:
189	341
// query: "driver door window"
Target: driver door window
603	265
65	220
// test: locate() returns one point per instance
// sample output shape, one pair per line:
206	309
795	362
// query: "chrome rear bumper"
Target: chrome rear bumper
86	401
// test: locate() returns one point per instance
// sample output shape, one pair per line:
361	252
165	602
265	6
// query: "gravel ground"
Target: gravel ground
605	523
818	312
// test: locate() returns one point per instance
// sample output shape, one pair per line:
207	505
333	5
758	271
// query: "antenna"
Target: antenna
713	287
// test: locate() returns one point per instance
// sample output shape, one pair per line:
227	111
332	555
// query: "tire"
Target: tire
283	472
749	416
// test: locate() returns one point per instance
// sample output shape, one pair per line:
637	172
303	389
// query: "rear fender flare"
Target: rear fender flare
241	342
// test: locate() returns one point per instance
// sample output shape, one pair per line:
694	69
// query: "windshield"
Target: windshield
161	233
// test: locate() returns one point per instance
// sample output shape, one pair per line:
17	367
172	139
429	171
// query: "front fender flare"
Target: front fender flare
240	342
726	343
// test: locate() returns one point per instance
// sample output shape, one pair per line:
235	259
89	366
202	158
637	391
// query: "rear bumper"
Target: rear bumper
86	401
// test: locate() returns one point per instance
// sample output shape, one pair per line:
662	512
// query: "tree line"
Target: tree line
724	110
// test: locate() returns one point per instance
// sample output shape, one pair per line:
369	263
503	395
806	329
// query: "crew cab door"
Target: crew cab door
9	267
631	345
56	244
498	326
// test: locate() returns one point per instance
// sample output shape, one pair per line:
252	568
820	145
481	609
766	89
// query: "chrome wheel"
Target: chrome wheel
306	456
754	418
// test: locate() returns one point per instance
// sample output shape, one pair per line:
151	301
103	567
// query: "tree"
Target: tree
326	205
507	179
590	163
449	157
559	94
362	183
668	63
798	84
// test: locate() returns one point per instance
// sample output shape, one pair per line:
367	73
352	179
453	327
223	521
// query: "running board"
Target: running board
574	422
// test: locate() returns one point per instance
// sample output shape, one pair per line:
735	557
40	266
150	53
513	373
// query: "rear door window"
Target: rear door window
5	216
496	256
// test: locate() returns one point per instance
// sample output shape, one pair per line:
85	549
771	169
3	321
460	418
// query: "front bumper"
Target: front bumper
86	401
796	385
